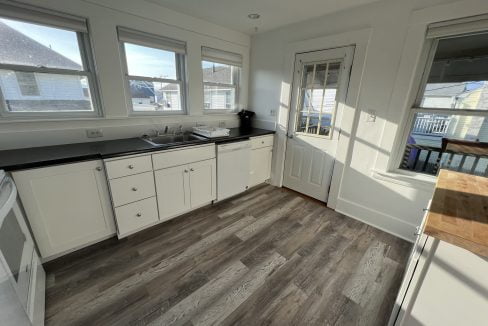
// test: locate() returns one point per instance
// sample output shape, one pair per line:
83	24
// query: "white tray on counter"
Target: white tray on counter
211	132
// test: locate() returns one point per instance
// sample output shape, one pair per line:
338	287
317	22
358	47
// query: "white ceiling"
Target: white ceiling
274	13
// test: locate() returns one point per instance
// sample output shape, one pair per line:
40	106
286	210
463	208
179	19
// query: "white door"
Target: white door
203	182
319	91
172	186
68	206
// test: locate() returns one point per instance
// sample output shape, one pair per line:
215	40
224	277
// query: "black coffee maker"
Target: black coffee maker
246	118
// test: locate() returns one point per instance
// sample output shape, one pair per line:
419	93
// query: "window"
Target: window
45	66
452	102
220	79
155	72
318	98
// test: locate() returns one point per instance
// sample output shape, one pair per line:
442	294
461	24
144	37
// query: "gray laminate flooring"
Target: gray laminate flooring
267	257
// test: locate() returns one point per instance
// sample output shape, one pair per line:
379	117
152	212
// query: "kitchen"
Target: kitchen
166	164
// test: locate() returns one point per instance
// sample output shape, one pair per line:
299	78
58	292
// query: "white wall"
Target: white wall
371	188
103	17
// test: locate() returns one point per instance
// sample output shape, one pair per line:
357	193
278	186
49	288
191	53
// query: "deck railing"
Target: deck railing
425	159
431	125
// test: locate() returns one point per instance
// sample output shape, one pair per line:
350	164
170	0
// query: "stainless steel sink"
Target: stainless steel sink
172	139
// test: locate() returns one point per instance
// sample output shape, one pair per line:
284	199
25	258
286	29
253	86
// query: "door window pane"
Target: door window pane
150	62
155	96
318	98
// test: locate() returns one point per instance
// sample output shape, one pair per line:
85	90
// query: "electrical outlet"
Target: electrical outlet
94	133
222	124
272	113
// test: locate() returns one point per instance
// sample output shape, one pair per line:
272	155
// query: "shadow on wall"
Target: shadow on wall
391	206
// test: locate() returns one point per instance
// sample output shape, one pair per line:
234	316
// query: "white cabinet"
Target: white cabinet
261	155
202	183
185	187
260	165
172	191
68	206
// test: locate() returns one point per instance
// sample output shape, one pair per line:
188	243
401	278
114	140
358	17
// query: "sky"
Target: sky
141	61
61	41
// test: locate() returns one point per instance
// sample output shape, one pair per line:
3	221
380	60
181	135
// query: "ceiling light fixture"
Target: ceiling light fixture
254	16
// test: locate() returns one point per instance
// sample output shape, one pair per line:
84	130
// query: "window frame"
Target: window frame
89	71
422	75
236	75
181	75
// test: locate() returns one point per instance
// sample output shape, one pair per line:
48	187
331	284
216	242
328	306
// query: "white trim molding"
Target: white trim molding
360	39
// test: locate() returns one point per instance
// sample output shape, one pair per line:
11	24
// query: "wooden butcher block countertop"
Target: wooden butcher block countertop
459	211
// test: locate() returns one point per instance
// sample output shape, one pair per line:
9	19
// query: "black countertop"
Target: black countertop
26	158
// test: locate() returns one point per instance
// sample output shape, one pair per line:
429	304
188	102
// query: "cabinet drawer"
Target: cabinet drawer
135	216
183	156
263	141
128	166
132	188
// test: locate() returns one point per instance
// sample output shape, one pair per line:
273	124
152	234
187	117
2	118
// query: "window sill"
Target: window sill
408	179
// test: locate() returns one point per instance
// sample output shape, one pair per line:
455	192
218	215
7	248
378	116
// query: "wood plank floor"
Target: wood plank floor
268	257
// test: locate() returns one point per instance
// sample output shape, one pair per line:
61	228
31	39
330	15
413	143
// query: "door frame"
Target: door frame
344	56
359	39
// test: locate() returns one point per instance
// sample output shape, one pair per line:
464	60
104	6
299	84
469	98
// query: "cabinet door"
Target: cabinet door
172	191
68	206
260	165
202	182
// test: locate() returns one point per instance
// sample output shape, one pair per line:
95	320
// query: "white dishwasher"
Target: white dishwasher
233	165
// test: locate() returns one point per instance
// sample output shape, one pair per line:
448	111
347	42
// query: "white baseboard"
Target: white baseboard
377	219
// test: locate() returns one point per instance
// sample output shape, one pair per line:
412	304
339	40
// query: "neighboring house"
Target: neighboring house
38	91
429	129
145	95
215	97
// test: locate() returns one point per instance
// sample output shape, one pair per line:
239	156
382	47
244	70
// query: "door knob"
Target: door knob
98	168
134	189
186	171
131	166
192	170
138	214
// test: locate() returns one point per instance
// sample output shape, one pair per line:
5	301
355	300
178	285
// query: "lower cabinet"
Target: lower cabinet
202	183
260	165
68	206
136	216
172	191
261	155
182	188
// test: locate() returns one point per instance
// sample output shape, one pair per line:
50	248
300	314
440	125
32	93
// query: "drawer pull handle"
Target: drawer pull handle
131	166
262	142
192	170
98	168
134	189
138	214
